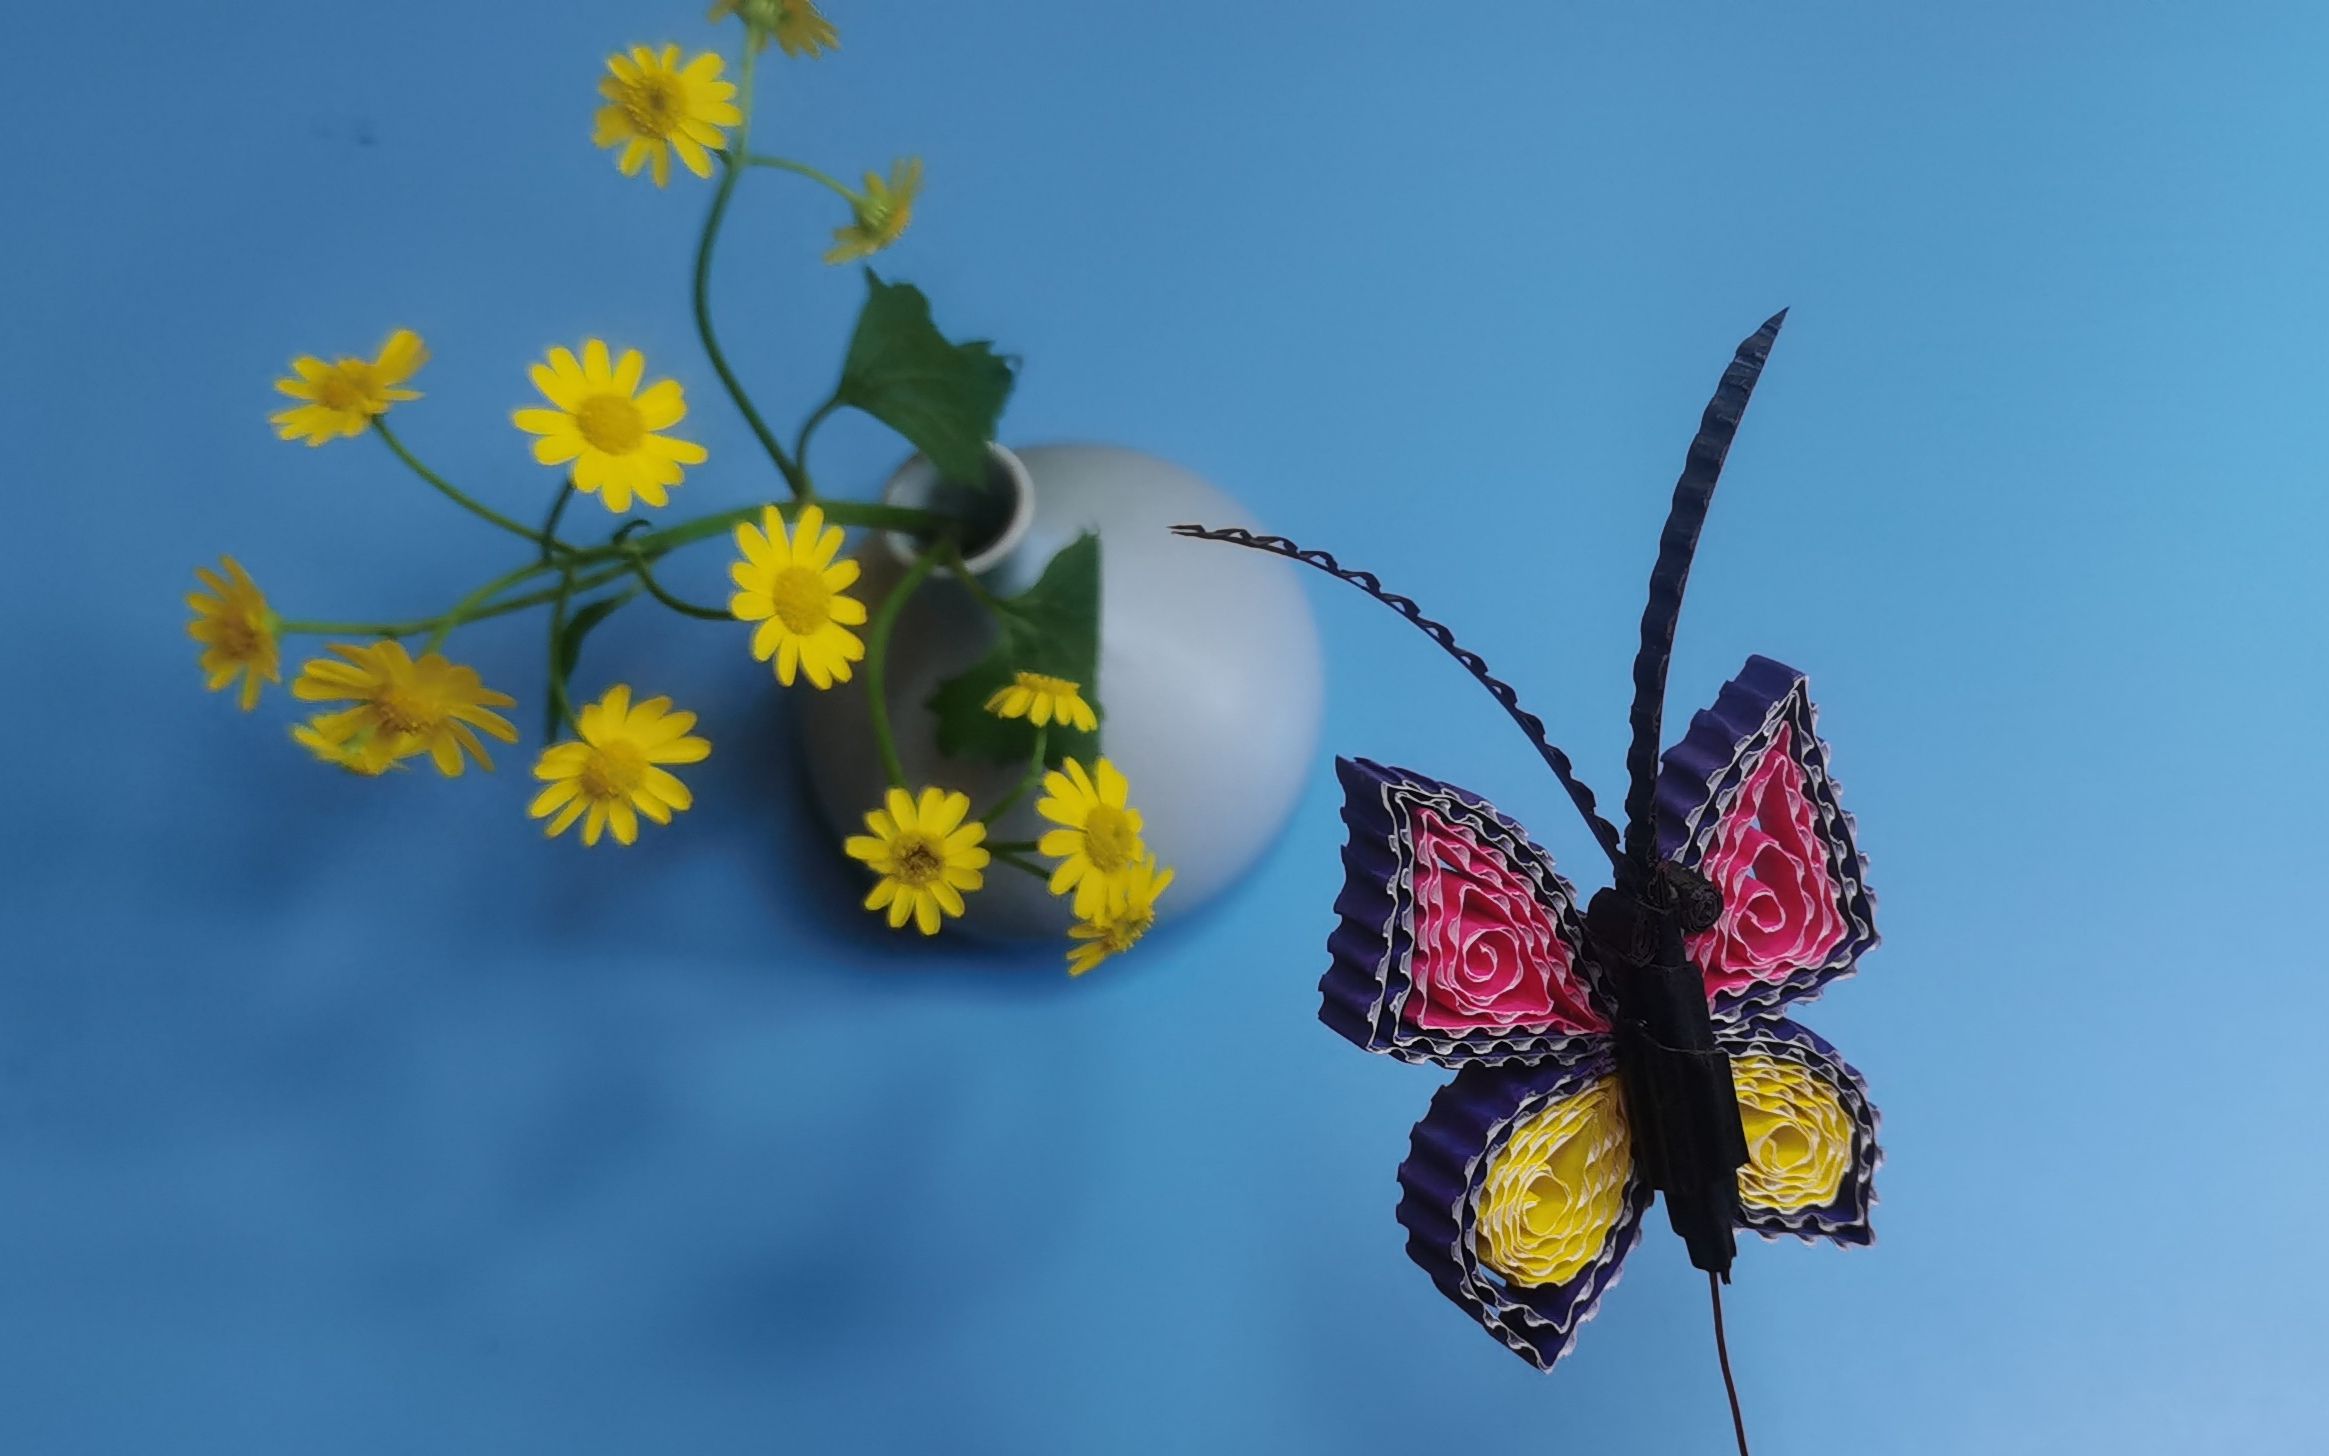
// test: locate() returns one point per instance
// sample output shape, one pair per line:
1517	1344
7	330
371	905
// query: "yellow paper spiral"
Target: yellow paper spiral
1799	1138
1557	1187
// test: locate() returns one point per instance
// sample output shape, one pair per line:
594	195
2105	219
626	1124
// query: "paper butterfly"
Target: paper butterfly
1640	1048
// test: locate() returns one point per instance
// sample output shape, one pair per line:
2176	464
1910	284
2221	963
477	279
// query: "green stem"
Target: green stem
560	711
546	543
566	493
1004	856
839	513
461	609
801	169
652	545
300	627
582	583
809	427
971	583
655	589
304	627
730	170
1028	781
877	651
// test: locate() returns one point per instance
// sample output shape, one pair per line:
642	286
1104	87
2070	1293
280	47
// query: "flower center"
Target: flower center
654	103
400	710
800	599
346	388
1125	933
613	771
610	424
238	638
919	858
1109	840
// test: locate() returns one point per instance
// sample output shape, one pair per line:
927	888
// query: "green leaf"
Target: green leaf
578	626
945	398
1054	628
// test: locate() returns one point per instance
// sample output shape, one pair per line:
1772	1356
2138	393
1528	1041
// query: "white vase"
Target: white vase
1211	677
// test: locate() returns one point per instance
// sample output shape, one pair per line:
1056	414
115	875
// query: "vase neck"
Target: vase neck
995	511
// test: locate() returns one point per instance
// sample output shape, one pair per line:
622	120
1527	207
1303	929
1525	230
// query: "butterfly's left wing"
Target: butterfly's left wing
1458	942
1811	1134
1747	800
1521	1198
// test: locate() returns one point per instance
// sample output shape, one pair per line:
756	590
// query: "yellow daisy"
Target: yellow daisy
656	106
1040	699
791	585
802	31
614	773
236	630
879	214
925	854
796	24
344	753
606	425
342	397
403	706
1114	932
1099	843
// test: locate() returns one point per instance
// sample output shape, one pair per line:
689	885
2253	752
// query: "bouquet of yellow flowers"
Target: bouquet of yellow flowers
611	432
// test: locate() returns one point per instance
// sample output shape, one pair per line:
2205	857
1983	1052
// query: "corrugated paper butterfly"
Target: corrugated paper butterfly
1643	1047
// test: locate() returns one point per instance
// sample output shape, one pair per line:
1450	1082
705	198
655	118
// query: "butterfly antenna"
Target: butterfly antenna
1722	1352
1579	794
1693	493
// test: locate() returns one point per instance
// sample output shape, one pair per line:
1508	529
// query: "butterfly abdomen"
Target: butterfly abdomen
1688	1140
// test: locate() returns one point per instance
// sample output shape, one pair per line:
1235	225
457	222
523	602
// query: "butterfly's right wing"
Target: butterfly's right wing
1747	800
1521	1198
1811	1134
1458	943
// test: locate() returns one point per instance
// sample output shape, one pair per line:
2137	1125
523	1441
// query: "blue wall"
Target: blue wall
350	1117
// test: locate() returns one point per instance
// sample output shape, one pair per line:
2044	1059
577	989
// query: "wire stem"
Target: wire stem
1722	1352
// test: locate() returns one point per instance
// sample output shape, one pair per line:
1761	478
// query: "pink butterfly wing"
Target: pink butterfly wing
1746	799
1458	943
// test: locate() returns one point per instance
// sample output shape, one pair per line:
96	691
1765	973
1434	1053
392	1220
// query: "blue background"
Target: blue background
350	1117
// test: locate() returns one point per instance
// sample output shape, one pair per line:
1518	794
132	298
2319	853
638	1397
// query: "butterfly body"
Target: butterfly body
1679	1097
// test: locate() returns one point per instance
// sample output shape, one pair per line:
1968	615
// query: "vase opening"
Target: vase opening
995	511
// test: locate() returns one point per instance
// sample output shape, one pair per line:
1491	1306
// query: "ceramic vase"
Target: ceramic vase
1210	673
